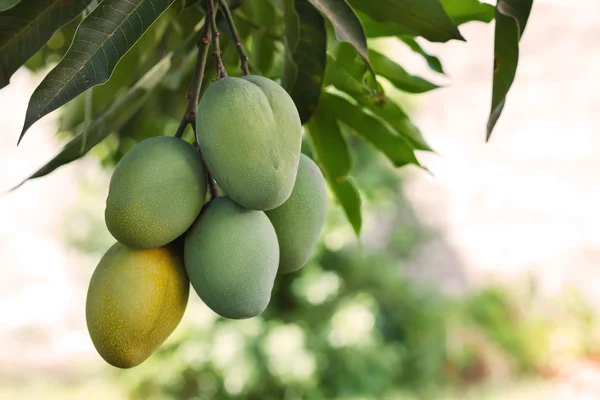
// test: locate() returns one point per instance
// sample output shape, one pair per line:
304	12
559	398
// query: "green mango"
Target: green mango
156	192
250	134
135	300
300	219
231	256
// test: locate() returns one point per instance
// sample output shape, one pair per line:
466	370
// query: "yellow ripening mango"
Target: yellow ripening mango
136	298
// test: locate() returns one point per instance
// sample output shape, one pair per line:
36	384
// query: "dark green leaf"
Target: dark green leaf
393	115
375	29
332	154
462	11
511	19
433	62
8	4
398	75
329	144
25	28
346	24
113	118
349	198
340	77
100	41
425	18
304	66
263	49
396	148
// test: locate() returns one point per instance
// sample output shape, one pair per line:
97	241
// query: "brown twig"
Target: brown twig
193	93
236	37
212	16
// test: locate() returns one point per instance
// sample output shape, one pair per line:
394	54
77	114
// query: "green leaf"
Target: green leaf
462	11
339	74
333	155
263	49
102	38
396	148
398	75
345	23
111	120
425	18
329	144
25	28
348	196
304	65
511	19
8	4
375	29
433	62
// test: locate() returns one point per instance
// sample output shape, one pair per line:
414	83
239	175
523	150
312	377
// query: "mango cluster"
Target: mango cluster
230	248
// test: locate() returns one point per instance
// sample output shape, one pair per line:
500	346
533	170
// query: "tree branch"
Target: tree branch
212	16
193	92
236	37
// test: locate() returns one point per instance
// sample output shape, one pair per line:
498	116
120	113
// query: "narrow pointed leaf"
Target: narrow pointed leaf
462	11
304	65
345	22
425	18
113	119
102	38
8	4
340	75
334	157
434	63
398	75
348	196
25	28
511	19
396	148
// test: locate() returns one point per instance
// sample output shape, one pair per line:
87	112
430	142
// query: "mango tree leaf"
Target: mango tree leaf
333	155
8	4
25	28
375	29
462	11
425	18
433	62
304	65
398	75
102	38
339	74
511	19
396	148
348	196
345	23
111	120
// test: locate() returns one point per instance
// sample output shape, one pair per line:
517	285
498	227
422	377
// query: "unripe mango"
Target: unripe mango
231	256
300	219
156	192
249	133
135	300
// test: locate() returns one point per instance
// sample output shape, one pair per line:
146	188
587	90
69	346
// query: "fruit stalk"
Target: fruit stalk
236	37
193	92
212	15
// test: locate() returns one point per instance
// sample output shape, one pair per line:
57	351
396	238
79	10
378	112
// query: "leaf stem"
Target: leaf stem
212	16
193	92
212	185
236	37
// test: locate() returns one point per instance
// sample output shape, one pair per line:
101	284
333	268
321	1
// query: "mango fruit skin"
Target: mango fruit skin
136	298
300	219
250	135
156	192
231	256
